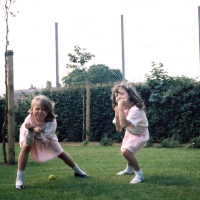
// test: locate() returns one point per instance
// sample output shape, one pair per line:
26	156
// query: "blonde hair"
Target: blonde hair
46	105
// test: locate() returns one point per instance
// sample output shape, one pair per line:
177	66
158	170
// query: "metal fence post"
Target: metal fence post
88	111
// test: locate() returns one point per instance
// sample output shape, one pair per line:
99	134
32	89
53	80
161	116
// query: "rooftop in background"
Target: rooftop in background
20	94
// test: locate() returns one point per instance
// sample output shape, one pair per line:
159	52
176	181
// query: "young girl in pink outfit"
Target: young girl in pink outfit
38	137
130	114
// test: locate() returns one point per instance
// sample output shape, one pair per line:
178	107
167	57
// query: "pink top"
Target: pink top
138	120
46	145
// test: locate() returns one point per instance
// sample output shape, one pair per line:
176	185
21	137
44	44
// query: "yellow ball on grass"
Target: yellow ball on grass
52	177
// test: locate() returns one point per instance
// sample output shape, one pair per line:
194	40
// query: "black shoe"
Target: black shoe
19	187
81	175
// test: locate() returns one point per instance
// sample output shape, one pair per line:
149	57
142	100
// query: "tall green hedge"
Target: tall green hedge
70	108
172	103
172	106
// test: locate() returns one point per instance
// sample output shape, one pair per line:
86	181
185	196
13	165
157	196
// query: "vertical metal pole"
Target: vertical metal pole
57	65
122	38
88	111
83	114
11	113
199	30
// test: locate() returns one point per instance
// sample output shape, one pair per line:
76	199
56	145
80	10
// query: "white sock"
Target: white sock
139	172
20	178
129	168
78	170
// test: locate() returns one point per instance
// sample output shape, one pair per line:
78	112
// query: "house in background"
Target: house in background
21	94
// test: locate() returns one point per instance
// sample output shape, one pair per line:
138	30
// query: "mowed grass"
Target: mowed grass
169	174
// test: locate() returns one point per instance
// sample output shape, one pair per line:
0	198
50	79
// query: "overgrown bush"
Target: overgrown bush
105	141
195	142
173	106
170	142
85	142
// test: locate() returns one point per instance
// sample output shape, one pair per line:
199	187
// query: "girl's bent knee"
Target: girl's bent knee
25	147
125	152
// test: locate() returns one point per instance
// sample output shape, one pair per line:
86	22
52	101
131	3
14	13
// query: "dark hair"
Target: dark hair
46	104
133	96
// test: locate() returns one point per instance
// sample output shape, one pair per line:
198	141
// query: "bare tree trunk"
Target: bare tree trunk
11	113
6	12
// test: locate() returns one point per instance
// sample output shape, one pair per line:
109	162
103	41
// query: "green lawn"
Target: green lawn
169	174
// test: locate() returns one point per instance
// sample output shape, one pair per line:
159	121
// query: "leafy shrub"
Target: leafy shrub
85	142
105	141
170	142
118	137
195	142
65	140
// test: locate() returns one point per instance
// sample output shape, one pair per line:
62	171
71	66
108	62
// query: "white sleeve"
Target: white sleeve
50	129
48	132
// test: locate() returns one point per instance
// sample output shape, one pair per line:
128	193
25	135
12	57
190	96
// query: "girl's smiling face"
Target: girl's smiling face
39	113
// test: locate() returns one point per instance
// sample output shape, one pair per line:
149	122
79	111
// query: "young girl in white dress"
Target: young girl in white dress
38	137
130	114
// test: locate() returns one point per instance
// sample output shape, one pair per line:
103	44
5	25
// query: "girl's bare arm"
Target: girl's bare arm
117	121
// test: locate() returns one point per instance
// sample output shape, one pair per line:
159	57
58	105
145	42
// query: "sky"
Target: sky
160	31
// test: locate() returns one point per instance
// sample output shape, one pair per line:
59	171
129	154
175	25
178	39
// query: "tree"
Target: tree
6	10
101	74
78	61
76	77
96	74
80	58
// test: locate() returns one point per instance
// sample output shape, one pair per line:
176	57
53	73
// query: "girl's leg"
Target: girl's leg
132	161
23	156
22	161
69	161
